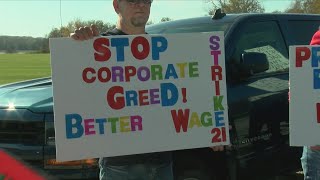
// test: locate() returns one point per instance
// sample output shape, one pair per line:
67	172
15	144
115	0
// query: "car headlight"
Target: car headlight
11	106
53	164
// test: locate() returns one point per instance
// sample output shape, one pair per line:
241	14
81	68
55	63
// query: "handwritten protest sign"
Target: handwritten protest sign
121	95
304	95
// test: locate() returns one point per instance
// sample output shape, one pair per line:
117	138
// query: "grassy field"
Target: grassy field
18	67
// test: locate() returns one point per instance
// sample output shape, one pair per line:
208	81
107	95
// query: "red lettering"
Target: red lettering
100	74
218	135
135	48
299	57
85	75
180	119
217	86
142	97
115	102
216	73
102	51
89	127
215	55
129	72
136	122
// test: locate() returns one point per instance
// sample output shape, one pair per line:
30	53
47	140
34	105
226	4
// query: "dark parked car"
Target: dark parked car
256	53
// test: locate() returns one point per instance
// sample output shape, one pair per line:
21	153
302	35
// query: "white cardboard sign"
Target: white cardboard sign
304	95
121	95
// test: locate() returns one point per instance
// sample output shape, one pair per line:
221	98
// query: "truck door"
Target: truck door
258	105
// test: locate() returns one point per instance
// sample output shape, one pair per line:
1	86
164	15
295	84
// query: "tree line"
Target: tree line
12	44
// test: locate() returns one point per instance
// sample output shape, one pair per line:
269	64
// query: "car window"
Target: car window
264	37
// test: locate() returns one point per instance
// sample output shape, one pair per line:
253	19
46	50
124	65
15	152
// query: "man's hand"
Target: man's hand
85	33
217	148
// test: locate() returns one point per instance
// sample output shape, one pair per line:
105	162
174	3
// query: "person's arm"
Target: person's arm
85	33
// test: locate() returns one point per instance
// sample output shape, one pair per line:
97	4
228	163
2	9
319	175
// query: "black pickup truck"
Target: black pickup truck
256	47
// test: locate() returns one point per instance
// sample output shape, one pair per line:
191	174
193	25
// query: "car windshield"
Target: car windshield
204	27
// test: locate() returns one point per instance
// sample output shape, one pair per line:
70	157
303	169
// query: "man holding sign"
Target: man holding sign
133	16
304	70
310	159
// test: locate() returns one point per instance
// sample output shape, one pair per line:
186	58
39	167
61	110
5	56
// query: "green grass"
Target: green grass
18	67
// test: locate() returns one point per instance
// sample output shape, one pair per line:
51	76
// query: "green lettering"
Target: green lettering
206	119
218	103
193	69
156	72
113	122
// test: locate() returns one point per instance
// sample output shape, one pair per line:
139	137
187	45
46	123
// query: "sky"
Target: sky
37	17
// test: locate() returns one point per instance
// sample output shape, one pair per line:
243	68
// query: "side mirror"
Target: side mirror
253	62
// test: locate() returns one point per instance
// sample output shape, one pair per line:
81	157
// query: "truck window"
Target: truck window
207	27
302	31
264	37
199	28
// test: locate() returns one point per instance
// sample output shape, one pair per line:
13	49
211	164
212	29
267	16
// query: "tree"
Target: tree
236	6
296	7
304	6
44	46
164	19
11	49
102	27
55	32
65	31
12	44
276	11
149	22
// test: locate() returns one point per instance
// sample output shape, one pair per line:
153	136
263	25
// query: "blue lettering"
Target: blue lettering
171	72
120	43
165	100
315	57
219	117
157	49
131	96
101	124
70	126
316	78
